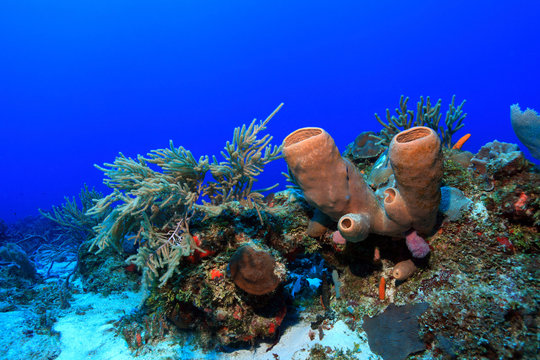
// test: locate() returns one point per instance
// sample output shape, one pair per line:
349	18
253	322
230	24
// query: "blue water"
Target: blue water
83	80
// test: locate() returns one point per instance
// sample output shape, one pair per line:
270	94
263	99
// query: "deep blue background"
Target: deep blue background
82	80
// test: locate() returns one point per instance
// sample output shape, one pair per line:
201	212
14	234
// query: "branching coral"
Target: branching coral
426	115
153	207
244	161
73	218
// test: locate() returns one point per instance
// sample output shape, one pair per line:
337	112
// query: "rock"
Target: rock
394	333
499	159
14	254
364	147
462	158
453	203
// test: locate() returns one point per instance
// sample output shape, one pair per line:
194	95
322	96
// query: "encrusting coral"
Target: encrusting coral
337	189
253	270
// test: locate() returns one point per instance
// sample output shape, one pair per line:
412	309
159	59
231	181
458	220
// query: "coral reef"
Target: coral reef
363	148
214	274
526	125
210	250
156	207
499	159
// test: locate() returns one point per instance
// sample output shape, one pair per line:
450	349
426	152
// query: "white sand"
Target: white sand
91	336
86	332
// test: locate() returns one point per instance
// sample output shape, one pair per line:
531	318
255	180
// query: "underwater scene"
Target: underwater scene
269	180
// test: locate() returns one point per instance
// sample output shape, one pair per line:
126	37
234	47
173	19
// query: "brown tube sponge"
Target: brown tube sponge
318	224
253	271
354	227
319	169
416	158
403	270
336	188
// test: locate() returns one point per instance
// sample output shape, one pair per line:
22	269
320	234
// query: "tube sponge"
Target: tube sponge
403	270
416	158
526	125
336	188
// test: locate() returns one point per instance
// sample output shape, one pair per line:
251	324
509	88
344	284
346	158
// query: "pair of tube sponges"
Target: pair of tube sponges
338	191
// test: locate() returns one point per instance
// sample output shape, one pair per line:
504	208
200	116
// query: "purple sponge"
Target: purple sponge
416	244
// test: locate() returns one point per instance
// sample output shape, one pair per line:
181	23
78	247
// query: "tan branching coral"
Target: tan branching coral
338	190
152	207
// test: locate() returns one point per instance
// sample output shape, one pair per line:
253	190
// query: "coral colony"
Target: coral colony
406	243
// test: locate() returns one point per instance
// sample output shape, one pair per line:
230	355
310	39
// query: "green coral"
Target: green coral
154	206
426	115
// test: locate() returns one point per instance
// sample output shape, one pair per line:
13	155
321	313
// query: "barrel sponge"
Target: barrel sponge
253	270
526	125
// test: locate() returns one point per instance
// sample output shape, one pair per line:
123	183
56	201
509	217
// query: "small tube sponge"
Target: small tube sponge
354	227
526	125
403	270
